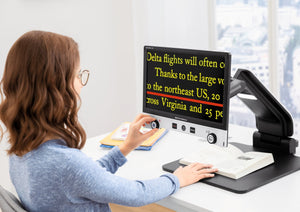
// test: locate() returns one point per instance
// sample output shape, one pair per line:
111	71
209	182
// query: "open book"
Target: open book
230	161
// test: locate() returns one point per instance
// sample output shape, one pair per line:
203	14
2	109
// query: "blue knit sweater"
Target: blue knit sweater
54	177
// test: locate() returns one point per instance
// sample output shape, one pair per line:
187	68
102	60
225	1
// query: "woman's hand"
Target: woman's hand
193	173
135	137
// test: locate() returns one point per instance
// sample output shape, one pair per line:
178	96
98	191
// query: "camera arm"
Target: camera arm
274	123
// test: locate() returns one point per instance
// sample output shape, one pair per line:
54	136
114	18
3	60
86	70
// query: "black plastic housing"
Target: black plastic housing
273	121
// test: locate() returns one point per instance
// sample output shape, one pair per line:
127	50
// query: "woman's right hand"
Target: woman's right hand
135	137
193	173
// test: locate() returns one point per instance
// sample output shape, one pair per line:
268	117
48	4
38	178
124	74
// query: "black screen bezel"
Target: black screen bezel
173	115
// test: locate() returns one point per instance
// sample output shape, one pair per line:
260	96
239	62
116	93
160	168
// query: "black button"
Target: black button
183	127
174	125
192	130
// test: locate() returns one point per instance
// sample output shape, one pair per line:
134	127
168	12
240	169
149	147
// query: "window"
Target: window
289	51
244	29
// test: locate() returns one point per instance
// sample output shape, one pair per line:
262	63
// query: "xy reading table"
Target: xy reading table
280	195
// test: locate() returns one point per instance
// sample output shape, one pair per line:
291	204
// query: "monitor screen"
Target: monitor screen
187	85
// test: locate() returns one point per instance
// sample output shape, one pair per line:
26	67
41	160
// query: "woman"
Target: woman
40	94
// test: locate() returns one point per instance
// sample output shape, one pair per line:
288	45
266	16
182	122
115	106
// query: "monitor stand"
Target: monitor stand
283	165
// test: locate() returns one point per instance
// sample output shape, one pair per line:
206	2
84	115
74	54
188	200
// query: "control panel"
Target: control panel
208	134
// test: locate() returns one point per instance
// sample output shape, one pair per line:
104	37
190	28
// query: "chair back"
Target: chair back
9	203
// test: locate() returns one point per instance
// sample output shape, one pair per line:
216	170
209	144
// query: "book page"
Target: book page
212	154
230	161
245	164
237	164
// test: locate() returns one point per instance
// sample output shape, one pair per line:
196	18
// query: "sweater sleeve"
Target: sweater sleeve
112	160
85	179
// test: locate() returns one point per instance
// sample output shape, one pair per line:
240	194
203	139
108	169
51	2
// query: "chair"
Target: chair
8	202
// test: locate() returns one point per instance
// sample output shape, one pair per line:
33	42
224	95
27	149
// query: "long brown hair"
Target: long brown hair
38	95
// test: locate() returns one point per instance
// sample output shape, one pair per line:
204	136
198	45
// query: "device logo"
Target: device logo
148	47
181	119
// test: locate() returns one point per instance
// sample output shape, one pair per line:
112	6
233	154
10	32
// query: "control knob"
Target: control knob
211	138
154	124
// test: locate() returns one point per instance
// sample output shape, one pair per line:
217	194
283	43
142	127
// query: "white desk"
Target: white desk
280	195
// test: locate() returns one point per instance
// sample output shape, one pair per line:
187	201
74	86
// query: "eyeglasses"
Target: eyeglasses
83	75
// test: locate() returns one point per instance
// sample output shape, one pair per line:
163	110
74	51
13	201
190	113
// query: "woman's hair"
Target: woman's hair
38	95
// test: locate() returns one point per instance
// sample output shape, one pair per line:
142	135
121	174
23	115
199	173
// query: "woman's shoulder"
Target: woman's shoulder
51	151
58	149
